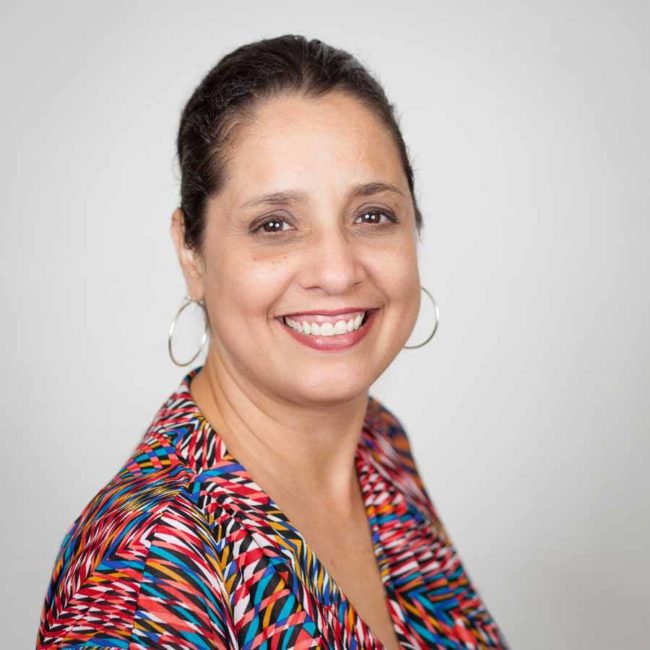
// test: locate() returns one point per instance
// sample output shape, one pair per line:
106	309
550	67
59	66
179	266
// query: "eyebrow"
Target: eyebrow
287	197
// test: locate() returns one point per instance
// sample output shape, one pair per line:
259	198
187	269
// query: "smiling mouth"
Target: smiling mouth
327	326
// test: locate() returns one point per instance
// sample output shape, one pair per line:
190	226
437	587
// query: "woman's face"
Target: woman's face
326	241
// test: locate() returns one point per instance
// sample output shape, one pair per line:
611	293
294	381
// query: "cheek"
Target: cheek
247	283
397	270
397	273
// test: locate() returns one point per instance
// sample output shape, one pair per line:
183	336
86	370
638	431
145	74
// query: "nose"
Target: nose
332	262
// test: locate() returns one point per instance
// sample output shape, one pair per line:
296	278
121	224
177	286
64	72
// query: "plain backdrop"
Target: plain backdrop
528	413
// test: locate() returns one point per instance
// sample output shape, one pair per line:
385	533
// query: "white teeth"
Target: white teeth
341	327
328	328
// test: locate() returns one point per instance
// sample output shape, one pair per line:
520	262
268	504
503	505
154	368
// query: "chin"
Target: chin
329	392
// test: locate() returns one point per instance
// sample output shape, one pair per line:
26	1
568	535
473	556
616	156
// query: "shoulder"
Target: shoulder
391	447
391	439
141	528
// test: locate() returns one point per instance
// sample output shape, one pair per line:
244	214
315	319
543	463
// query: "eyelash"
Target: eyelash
391	217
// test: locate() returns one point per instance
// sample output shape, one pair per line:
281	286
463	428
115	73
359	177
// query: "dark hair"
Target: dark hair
226	99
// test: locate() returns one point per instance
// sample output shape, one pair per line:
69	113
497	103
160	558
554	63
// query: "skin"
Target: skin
292	415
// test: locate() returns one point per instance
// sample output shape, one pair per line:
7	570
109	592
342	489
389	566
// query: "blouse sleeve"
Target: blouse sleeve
138	578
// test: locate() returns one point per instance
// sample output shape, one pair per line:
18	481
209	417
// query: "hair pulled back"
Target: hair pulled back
226	99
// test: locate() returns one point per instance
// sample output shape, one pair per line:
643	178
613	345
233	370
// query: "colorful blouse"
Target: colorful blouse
182	549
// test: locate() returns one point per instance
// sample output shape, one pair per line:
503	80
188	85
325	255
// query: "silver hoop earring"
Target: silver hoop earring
435	327
188	301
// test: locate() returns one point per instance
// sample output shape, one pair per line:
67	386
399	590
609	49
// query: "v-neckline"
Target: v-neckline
334	596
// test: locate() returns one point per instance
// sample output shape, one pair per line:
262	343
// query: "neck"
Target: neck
305	450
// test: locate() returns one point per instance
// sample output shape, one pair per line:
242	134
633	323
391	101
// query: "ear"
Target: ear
190	261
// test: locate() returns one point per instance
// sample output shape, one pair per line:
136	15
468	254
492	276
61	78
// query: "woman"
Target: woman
273	503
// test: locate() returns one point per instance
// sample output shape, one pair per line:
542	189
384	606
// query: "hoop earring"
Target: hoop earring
435	327
188	301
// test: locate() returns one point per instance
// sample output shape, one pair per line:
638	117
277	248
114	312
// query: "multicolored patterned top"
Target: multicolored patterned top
182	549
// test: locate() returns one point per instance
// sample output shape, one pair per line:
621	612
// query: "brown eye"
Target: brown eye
376	215
271	225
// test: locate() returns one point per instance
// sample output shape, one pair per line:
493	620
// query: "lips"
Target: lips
340	341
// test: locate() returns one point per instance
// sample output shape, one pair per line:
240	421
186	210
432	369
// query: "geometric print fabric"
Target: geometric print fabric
183	550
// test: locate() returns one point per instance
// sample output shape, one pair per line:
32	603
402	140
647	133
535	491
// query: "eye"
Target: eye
275	225
271	225
376	215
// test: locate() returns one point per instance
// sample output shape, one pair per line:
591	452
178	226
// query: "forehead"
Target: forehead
319	144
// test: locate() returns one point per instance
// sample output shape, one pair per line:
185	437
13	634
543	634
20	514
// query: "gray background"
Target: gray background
528	412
